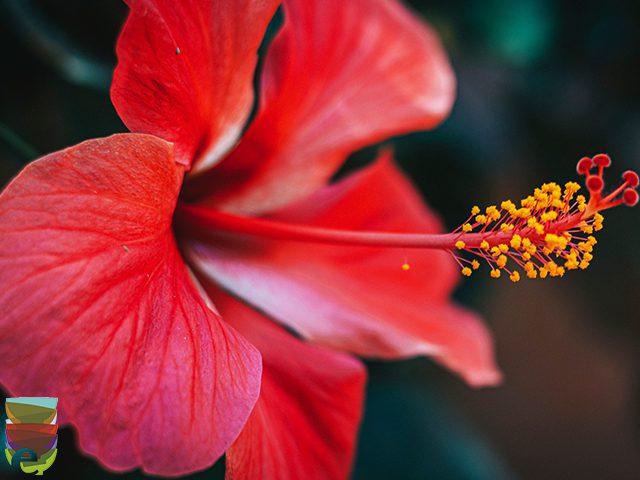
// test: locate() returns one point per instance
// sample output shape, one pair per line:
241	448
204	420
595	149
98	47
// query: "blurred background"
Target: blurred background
541	83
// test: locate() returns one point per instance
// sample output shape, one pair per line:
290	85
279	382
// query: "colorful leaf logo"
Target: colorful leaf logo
31	433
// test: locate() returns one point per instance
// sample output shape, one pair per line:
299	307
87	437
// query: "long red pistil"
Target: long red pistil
205	222
549	222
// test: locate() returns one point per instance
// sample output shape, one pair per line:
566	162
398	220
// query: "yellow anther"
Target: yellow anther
540	222
508	205
553	189
406	266
597	222
551	239
572	260
570	188
554	269
571	264
540	196
493	213
528	202
554	241
585	247
586	228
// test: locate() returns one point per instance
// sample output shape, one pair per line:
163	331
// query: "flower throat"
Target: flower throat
549	233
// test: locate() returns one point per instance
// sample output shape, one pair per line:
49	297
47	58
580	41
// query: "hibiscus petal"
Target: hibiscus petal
340	75
185	71
305	423
99	309
355	298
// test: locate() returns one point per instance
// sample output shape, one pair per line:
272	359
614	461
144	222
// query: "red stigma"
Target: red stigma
602	160
624	193
595	183
584	165
630	197
631	178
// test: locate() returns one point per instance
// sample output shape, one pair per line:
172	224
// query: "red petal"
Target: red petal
305	423
99	310
340	75
185	71
355	298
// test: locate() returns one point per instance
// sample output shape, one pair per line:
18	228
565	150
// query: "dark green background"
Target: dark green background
541	83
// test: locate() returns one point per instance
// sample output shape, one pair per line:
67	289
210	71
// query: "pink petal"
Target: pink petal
355	298
305	423
99	310
185	71
340	75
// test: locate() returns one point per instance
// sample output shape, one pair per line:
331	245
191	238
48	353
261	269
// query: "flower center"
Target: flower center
548	234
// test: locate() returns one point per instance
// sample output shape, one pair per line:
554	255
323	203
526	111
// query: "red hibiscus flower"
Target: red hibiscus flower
146	278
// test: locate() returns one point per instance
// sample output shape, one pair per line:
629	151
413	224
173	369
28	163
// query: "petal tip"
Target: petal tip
485	378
